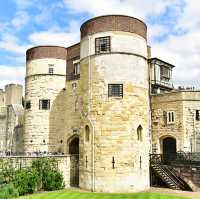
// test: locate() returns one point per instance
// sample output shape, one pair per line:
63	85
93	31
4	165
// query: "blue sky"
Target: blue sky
173	30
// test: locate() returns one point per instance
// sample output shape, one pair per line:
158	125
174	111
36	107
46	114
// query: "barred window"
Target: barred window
51	68
28	105
102	45
44	104
115	90
170	117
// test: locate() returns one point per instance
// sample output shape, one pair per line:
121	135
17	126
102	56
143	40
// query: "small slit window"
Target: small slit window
197	115
87	133
44	104
139	133
115	90
28	105
102	45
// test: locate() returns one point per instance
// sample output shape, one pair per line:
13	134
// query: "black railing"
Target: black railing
176	158
72	76
163	83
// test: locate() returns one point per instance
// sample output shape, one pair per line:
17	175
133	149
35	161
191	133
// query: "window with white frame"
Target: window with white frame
170	117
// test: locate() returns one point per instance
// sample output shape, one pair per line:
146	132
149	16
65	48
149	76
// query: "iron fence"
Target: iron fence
185	158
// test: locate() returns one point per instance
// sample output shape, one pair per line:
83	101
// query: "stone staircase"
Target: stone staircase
169	177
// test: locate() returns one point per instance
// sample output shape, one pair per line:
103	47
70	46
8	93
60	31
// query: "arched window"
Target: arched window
139	133
87	133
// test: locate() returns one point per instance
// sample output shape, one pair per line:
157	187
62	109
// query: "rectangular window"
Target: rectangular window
115	90
102	45
44	104
170	117
50	70
28	105
197	115
164	72
77	68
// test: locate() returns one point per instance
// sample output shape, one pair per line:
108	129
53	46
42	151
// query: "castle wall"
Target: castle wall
40	85
3	128
2	98
191	103
161	104
13	94
185	129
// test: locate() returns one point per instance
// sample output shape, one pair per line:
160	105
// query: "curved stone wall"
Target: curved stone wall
40	84
114	153
40	52
114	23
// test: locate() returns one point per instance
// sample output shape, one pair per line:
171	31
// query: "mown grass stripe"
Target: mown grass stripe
71	194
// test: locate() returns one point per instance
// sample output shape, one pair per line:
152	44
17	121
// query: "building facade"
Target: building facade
104	101
11	119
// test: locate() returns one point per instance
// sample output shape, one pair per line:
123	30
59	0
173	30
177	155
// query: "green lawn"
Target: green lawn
69	194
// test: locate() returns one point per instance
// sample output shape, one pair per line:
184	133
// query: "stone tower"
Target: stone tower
45	78
13	94
114	105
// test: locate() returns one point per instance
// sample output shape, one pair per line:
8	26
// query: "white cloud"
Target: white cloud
134	8
23	4
57	36
183	51
11	74
53	38
10	43
157	30
20	19
190	16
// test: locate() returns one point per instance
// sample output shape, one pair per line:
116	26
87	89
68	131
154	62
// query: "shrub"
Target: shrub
26	181
8	191
7	172
52	180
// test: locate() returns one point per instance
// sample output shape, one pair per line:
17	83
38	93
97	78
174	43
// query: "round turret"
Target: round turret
45	79
115	109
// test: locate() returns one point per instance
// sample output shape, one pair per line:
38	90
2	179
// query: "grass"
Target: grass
70	194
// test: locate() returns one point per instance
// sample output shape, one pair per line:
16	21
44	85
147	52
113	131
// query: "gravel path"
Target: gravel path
193	195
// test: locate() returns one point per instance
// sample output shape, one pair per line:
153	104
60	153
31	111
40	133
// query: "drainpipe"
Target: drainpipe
149	96
193	136
89	110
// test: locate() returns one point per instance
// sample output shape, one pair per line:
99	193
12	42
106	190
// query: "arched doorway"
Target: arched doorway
74	161
169	149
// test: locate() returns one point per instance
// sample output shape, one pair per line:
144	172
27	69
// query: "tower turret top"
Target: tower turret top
114	23
40	52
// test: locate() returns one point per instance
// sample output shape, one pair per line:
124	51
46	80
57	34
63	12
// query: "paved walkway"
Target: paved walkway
188	194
